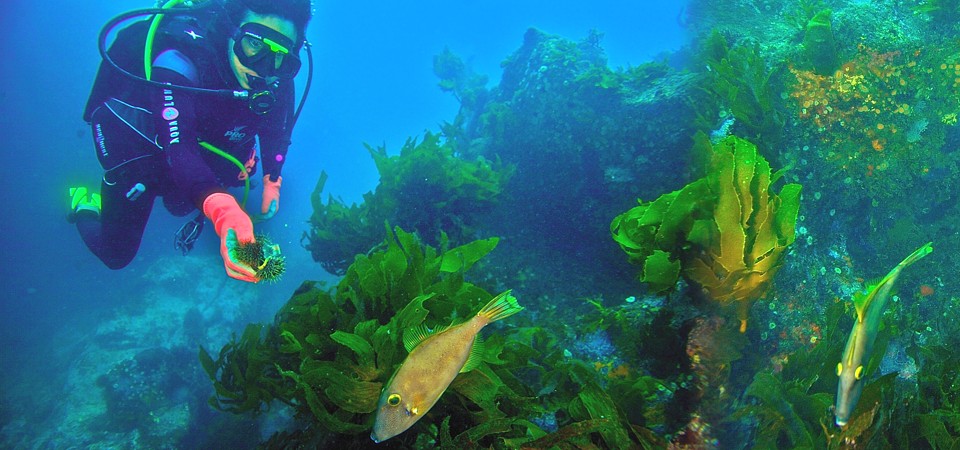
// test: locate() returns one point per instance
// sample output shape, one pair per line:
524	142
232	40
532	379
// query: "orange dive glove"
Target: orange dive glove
271	197
233	226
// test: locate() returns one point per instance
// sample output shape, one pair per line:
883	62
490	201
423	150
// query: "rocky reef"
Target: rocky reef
626	208
859	114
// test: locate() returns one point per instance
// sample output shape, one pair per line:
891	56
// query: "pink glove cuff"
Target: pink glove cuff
271	193
222	209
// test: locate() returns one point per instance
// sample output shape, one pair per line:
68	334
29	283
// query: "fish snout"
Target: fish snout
846	401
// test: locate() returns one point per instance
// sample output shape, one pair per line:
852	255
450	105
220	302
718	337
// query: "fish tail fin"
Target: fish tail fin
500	307
917	254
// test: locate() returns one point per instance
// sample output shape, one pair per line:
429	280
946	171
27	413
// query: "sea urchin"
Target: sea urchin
263	256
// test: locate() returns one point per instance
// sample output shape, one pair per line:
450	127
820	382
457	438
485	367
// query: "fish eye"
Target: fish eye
859	373
393	399
839	368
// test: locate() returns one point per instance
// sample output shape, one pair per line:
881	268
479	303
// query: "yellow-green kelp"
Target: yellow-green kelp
726	232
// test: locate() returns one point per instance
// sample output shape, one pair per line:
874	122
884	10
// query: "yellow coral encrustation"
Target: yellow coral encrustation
869	110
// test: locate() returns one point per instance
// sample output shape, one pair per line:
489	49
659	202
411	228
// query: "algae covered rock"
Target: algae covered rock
819	45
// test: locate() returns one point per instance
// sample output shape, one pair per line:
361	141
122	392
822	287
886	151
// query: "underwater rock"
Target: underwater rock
558	98
819	45
138	391
585	140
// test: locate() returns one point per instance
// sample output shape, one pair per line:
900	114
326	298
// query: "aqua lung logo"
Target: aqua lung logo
170	114
100	142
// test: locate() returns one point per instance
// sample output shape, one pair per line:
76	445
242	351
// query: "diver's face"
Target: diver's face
281	25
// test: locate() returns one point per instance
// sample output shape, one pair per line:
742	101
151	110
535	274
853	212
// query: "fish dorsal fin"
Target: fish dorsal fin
416	335
476	355
862	299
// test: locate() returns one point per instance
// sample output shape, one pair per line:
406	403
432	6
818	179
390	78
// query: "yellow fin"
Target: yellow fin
917	254
500	307
476	356
414	336
861	300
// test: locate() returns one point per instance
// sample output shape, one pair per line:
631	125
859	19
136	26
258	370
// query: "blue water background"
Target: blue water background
374	83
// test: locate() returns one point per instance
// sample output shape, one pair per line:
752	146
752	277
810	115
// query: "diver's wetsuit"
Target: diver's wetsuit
147	137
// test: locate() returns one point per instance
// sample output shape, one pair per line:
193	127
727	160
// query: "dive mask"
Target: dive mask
266	51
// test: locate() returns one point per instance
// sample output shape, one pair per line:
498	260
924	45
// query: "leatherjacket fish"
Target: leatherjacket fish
435	359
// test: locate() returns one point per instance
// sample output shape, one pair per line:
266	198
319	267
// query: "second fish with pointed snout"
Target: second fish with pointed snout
869	305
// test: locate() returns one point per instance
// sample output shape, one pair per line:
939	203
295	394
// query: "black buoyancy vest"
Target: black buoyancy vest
127	52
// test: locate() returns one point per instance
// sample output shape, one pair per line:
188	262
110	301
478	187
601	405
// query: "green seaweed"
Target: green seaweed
329	352
243	375
791	409
939	393
651	231
467	86
780	411
728	230
337	376
613	410
941	11
339	232
427	189
739	81
800	14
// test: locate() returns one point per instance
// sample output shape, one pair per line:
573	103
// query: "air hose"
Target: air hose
148	70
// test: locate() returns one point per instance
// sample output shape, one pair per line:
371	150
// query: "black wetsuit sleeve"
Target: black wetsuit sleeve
275	133
177	123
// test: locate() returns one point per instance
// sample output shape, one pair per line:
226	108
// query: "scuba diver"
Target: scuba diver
182	103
